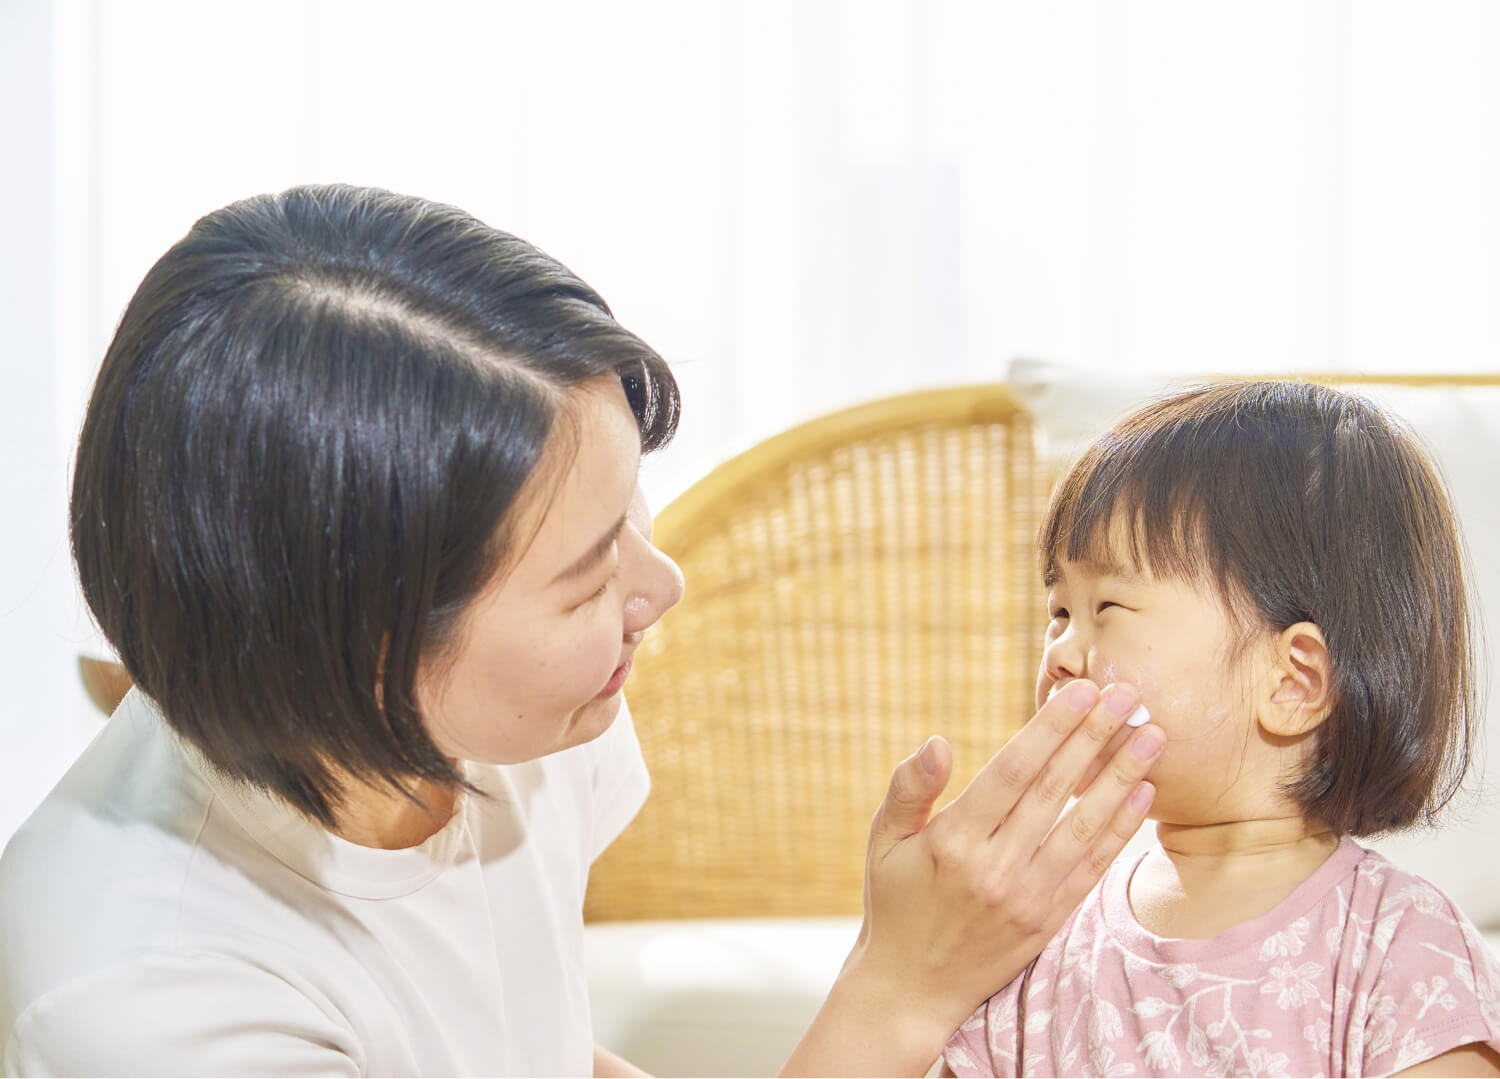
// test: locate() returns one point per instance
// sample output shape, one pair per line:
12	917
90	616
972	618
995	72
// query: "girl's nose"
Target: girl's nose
1065	655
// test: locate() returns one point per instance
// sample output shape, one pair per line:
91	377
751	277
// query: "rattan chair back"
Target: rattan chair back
853	585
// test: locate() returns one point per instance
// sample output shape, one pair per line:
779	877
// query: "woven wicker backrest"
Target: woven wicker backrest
853	586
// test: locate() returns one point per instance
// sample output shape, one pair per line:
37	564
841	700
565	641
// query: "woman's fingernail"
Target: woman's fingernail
1081	696
928	757
1147	745
1139	718
1142	797
1120	702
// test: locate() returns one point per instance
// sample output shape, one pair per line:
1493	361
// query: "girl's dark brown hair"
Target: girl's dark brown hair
301	462
1301	503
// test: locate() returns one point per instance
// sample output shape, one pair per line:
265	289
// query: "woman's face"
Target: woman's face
543	651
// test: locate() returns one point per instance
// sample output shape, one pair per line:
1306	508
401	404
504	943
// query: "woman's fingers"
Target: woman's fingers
958	904
1104	818
915	786
1025	786
1086	870
1039	807
994	792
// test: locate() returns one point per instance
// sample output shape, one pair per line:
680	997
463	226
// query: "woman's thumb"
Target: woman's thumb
915	786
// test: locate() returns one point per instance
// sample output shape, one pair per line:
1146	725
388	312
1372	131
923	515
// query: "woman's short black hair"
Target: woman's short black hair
1301	503
300	461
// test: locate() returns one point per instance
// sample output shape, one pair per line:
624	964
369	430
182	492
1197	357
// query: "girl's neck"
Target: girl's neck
1241	841
1206	878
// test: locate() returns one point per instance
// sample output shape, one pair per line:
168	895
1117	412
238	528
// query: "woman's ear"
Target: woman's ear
1299	691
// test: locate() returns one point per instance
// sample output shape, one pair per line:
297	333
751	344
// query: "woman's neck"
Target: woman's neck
387	821
1207	878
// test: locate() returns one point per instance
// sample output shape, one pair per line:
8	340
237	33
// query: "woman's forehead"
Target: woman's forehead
587	479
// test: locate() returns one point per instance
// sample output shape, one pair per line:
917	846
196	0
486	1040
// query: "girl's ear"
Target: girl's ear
1300	682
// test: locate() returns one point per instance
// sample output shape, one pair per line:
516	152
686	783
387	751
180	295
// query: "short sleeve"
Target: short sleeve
967	1052
169	1014
619	780
1437	987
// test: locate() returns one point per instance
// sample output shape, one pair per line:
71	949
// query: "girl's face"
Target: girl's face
544	650
1178	645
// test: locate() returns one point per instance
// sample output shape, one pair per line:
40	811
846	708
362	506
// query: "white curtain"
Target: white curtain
801	203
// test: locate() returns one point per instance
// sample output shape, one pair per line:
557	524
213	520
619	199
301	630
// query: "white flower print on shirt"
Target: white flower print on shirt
1204	1016
1102	1062
1434	993
1413	1050
1265	1062
1104	1022
1287	943
1149	1008
1293	988
1161	1052
1318	1036
1180	975
959	1057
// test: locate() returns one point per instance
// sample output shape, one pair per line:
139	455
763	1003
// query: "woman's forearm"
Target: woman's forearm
608	1064
867	1027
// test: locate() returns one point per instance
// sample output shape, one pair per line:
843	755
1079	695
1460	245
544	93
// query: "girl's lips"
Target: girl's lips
616	681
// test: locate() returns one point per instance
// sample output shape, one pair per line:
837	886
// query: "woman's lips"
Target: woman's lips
616	681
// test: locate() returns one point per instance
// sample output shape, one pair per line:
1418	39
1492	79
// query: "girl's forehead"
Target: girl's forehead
1112	550
1123	571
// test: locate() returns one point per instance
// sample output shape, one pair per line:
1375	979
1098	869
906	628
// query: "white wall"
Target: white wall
801	203
43	719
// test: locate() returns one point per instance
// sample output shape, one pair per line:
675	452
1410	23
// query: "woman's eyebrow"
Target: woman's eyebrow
593	556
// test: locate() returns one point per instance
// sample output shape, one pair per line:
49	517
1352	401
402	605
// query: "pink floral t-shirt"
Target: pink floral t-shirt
1363	970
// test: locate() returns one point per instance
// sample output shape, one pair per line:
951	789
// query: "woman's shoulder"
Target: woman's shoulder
131	795
97	869
152	1012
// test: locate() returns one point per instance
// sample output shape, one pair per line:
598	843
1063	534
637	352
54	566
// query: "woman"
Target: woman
356	503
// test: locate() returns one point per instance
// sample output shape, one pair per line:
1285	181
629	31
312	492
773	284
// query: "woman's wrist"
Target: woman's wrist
873	1024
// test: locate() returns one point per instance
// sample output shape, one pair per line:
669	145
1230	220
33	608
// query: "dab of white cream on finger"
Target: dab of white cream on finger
1139	718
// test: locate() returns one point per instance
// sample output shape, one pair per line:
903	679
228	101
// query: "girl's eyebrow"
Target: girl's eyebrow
1122	574
593	556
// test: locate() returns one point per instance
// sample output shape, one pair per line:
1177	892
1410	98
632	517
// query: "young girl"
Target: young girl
1276	567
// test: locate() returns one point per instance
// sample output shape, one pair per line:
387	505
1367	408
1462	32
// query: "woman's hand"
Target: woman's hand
958	905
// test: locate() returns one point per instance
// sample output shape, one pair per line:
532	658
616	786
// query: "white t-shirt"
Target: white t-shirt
155	920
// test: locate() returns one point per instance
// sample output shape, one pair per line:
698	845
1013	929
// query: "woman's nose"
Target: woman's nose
657	588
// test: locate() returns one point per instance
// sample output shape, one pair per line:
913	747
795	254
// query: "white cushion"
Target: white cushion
711	997
1461	427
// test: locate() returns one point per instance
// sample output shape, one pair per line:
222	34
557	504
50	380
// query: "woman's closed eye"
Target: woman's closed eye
599	592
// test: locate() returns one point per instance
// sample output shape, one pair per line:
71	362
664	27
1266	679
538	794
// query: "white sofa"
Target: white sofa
726	997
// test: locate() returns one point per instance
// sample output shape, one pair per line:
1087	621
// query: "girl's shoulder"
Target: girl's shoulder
1375	884
1409	936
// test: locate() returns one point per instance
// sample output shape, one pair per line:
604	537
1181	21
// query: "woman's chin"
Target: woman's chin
594	718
